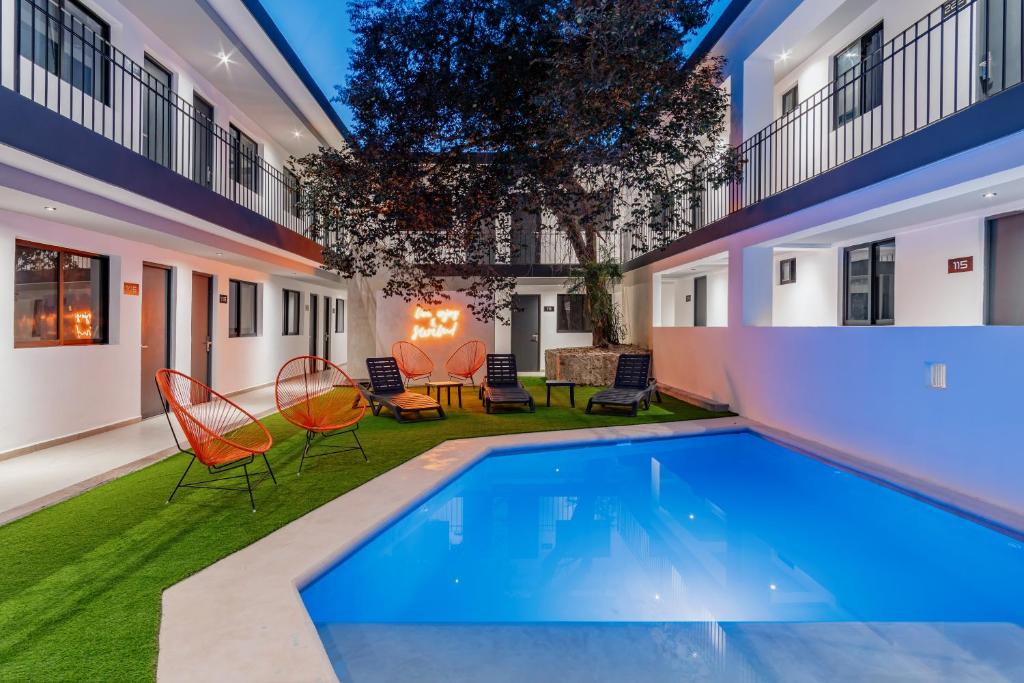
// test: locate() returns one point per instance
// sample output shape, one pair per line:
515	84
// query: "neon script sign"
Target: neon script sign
437	324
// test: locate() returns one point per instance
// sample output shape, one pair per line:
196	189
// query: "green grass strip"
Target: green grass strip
80	582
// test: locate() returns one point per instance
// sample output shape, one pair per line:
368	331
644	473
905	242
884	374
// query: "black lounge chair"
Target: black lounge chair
633	386
501	386
388	391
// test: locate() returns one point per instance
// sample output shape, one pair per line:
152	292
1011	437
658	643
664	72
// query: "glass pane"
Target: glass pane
247	309
40	33
871	88
84	49
846	66
84	310
885	281
339	315
233	309
858	285
36	291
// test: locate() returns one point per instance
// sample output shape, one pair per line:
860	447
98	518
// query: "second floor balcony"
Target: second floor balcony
60	57
882	94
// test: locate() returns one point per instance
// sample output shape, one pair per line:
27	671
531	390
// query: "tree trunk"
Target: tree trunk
583	237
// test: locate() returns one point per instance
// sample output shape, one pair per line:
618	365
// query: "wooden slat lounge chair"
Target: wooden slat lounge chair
633	385
501	386
387	391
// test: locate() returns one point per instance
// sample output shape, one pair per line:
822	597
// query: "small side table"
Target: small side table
562	383
446	384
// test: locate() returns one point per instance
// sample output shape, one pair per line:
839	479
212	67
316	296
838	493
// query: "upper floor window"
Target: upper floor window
292	301
870	284
857	71
790	99
245	159
243	308
572	314
60	296
787	271
69	41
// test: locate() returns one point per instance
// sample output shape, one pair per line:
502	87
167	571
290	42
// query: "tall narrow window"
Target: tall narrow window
60	296
339	315
292	301
245	160
242	308
572	314
69	41
870	287
857	73
790	99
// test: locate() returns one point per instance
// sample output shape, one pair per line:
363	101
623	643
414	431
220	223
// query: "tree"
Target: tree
470	113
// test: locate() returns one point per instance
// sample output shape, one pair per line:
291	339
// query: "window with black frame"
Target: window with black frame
572	314
61	297
292	301
68	40
339	315
870	284
857	74
243	308
790	100
245	158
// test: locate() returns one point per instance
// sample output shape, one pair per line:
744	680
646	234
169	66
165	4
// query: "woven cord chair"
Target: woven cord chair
466	361
316	395
412	361
221	435
387	391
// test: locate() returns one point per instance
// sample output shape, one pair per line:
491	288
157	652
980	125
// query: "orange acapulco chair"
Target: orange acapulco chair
412	361
221	435
316	395
466	361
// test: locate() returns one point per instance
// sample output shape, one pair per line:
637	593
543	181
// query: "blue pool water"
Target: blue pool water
720	528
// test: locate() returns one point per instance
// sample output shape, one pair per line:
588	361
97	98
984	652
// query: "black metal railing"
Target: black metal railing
67	66
957	55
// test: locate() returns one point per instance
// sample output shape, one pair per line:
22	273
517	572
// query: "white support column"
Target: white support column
758	99
755	275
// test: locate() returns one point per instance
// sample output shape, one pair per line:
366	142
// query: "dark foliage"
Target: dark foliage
472	113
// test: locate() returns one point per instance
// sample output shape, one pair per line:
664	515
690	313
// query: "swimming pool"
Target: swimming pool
690	539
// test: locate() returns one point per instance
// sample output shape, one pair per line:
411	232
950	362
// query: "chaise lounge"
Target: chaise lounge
501	386
388	391
633	386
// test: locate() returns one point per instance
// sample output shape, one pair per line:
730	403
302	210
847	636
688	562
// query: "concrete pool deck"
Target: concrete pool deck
243	619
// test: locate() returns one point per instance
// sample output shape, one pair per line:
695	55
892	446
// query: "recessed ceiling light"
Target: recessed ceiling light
297	133
785	54
990	195
220	253
224	58
50	208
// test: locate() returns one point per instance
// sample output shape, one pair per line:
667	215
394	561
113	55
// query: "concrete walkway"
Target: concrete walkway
42	478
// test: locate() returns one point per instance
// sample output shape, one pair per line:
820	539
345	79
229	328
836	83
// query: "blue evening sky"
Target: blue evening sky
318	31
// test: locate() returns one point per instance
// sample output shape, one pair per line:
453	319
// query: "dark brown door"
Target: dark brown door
156	329
327	327
314	323
202	338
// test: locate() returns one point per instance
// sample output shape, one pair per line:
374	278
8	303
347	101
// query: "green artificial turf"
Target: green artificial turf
80	583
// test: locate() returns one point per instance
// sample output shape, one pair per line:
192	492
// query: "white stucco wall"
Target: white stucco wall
813	300
60	391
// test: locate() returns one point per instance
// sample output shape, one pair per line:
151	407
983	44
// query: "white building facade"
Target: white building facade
147	218
863	284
